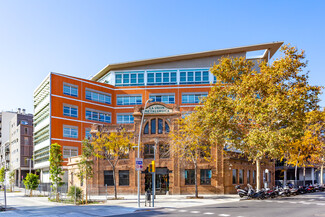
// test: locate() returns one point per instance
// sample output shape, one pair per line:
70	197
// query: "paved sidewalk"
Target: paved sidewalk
40	206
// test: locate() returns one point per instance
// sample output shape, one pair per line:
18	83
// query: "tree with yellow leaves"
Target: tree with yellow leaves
112	147
257	110
190	143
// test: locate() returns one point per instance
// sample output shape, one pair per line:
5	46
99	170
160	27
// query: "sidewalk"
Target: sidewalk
40	206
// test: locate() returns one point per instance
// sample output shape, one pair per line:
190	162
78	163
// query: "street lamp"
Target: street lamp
139	139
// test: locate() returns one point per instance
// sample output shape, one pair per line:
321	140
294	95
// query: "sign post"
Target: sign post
138	164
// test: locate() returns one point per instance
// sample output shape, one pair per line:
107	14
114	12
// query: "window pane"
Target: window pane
183	76
197	76
151	78
133	78
234	176
88	95
189	76
166	77
158	77
146	129
241	176
153	126
126	78
108	178
173	77
160	126
205	76
123	177
189	177
166	127
74	91
118	78
140	78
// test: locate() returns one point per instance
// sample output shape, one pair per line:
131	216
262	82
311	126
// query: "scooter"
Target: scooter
241	192
255	195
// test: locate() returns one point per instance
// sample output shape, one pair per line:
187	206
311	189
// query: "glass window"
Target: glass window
98	116
129	100
146	128
173	77
158	77
125	119
70	90
70	132
108	178
205	75
193	98
123	177
129	78
190	76
160	126
205	177
151	77
153	126
189	177
166	127
248	176
168	99
234	176
254	176
164	151
241	176
149	151
183	76
161	77
70	151
88	135
70	111
98	97
197	76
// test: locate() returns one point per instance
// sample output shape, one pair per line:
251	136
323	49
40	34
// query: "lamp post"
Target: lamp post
139	139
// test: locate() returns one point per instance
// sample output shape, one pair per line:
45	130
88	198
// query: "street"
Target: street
297	206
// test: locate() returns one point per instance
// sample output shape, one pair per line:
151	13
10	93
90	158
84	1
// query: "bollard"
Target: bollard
106	192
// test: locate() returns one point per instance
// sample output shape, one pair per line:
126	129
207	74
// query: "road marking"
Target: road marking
306	203
195	212
320	204
311	200
182	210
223	215
171	210
208	213
293	202
280	201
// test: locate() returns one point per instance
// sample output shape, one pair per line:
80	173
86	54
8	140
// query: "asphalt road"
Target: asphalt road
298	206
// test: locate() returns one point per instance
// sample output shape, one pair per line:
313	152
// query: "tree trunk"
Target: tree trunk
31	192
114	179
296	170
304	175
258	173
86	189
195	179
285	175
321	174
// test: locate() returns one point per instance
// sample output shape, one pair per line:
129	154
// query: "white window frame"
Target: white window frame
198	93
71	128
129	83
100	93
70	106
129	95
70	149
162	94
124	114
71	86
99	112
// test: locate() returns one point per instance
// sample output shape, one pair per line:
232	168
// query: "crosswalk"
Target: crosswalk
198	212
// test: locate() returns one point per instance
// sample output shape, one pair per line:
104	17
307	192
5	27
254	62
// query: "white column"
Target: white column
312	175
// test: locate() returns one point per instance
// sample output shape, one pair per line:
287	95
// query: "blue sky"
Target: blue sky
80	38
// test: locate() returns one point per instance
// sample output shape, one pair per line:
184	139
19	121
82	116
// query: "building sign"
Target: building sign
156	109
138	164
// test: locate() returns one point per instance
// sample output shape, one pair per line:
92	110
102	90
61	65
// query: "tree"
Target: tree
56	170
112	147
31	182
258	112
85	165
12	179
189	143
2	175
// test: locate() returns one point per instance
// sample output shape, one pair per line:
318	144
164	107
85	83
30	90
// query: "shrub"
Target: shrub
75	192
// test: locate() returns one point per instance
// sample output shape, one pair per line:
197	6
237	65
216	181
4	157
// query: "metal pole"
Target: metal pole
139	139
30	165
106	192
5	193
154	178
75	195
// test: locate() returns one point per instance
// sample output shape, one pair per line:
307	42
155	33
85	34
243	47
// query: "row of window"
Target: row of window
72	111
238	176
72	90
205	177
165	77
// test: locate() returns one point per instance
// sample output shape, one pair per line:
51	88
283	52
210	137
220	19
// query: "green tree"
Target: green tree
2	175
12	179
56	170
112	147
258	112
31	182
190	143
85	164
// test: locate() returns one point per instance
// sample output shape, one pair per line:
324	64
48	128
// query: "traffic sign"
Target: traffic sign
138	164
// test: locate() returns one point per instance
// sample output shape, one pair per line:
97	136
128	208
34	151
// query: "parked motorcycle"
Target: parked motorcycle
241	192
